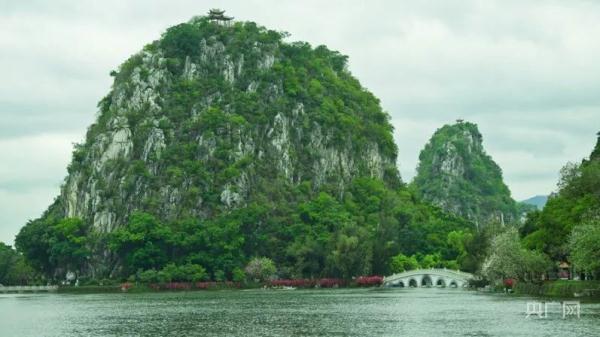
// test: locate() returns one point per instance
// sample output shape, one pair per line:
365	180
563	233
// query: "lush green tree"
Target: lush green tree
379	210
260	269
402	263
530	224
142	244
584	247
219	246
431	261
308	257
171	272
194	272
351	254
451	264
576	202
183	273
13	268
319	220
54	245
69	244
219	276
238	275
459	240
149	276
33	241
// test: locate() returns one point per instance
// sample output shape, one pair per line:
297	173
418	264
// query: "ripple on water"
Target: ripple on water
341	312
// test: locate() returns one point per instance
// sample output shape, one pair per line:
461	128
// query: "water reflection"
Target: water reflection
355	312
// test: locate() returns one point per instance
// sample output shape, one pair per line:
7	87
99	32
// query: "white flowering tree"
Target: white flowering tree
509	260
584	248
260	269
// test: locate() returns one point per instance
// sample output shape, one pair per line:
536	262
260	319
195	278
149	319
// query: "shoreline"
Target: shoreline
571	289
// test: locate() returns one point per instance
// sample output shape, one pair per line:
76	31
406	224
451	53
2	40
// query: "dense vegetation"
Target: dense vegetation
236	148
14	270
365	233
567	229
223	153
455	173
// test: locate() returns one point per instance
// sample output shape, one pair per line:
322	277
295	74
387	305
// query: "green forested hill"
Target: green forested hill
576	205
456	174
220	143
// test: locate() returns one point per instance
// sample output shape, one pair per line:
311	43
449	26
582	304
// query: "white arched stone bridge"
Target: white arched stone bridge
428	278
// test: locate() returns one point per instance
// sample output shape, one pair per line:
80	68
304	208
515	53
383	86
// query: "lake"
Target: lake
334	312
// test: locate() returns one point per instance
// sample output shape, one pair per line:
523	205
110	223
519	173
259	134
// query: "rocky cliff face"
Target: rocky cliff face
457	175
210	117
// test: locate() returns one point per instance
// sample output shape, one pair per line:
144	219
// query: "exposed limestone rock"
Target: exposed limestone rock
456	174
120	145
267	62
211	123
155	144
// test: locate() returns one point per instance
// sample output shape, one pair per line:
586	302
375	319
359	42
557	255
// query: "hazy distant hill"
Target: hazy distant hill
538	201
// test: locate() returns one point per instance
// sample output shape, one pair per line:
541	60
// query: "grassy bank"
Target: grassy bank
560	288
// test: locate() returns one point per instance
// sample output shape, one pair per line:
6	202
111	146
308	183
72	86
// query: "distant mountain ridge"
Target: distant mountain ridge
538	201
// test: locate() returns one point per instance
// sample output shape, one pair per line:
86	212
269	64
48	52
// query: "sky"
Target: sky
526	72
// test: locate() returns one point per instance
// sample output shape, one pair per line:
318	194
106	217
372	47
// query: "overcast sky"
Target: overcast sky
527	72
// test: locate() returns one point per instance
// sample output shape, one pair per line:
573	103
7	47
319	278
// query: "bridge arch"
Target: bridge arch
426	281
435	277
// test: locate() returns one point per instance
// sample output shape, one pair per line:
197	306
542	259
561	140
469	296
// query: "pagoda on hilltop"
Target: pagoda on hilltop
218	16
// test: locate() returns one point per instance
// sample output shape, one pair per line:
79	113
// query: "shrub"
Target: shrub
238	275
298	283
178	286
260	269
330	283
369	281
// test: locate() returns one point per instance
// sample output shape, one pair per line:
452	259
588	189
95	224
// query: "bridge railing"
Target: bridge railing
438	271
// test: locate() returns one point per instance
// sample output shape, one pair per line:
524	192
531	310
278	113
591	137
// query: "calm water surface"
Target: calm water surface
356	312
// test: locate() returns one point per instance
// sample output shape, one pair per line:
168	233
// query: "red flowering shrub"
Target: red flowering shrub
231	284
509	282
211	285
178	286
205	285
298	283
330	282
308	283
369	281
